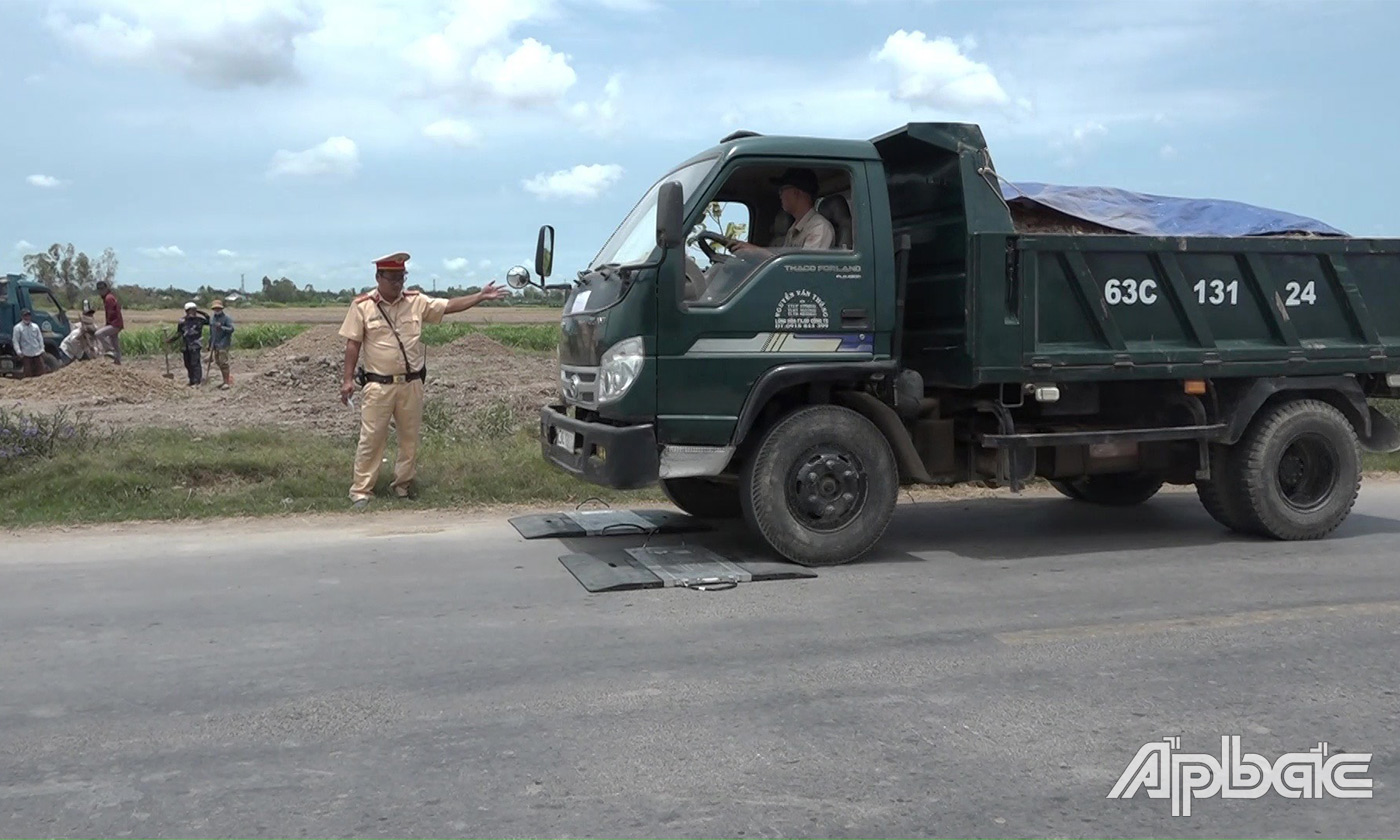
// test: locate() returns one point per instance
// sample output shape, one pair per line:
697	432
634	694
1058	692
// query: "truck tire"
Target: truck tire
703	497
821	486
1113	490
1299	471
51	363
1215	493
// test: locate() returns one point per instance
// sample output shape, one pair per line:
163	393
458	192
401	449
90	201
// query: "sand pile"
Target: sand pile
310	360
96	382
476	371
318	342
1037	218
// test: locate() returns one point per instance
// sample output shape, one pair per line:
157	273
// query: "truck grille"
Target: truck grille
579	385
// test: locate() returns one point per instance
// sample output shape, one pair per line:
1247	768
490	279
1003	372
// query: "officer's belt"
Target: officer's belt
384	379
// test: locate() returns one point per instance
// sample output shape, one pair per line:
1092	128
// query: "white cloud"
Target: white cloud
601	117
337	156
484	264
455	132
937	74
583	182
23	245
163	251
456	263
213	44
633	6
1081	140
1088	131
532	75
472	56
224	252
1169	153
47	182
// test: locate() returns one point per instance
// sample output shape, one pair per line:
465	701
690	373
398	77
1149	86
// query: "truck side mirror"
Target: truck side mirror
670	215
518	277
544	252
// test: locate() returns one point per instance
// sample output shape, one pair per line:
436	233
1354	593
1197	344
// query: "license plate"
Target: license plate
564	439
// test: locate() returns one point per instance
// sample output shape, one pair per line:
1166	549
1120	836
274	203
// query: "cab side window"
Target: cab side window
729	219
759	213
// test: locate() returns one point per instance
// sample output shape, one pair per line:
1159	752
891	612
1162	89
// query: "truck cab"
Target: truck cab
18	294
938	336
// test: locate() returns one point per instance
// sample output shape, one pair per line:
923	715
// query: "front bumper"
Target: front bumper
620	457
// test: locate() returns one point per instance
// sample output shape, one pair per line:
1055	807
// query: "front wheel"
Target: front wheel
821	487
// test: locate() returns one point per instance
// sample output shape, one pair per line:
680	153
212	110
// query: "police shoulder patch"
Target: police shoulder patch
364	297
411	292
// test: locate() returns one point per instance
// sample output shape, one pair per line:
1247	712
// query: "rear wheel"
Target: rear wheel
51	362
1114	489
1299	471
703	497
821	487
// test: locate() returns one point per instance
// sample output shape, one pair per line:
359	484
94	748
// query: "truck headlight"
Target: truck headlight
621	365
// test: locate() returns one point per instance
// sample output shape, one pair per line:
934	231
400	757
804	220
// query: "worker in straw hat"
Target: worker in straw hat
383	335
221	341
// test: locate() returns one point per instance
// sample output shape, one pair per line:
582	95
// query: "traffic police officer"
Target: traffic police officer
383	330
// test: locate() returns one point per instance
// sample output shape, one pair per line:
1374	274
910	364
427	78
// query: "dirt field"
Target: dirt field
295	385
336	314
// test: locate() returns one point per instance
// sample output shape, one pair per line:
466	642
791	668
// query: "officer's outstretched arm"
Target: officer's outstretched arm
490	292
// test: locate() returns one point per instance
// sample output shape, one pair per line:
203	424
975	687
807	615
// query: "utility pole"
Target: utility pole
242	286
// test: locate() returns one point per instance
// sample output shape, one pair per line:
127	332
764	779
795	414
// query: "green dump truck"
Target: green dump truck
948	329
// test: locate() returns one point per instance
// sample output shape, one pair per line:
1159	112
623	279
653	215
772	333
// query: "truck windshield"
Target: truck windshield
57	307
635	238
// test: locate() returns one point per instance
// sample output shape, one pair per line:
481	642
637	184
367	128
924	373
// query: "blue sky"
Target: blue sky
202	139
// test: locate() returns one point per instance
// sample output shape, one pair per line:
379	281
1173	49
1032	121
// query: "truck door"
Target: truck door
737	314
48	312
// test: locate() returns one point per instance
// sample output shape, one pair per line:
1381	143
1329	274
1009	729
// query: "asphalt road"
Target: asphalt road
991	672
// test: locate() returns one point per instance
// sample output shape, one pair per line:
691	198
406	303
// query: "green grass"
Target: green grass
164	475
60	469
1388	462
148	341
521	336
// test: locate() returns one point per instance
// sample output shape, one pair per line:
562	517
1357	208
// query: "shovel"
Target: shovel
166	348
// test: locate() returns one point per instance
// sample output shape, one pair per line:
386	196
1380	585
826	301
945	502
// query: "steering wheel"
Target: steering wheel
702	242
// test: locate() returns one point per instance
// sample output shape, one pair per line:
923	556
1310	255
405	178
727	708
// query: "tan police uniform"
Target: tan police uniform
391	390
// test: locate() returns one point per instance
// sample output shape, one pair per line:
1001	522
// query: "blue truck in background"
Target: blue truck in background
18	294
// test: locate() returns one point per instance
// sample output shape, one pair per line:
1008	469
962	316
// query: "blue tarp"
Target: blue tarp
1157	215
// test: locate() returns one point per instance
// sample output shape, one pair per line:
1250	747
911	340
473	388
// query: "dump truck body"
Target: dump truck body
951	335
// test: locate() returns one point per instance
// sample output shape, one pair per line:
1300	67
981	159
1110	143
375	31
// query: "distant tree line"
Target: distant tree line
72	275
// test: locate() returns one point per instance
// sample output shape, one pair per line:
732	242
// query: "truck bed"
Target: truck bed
1072	307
